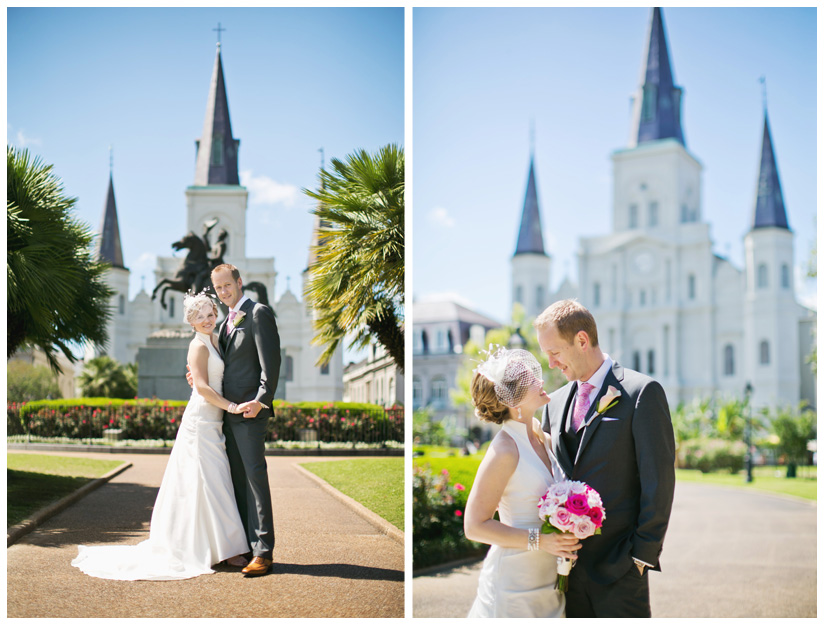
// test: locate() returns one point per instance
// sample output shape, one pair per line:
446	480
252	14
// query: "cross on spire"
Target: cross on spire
219	29
764	93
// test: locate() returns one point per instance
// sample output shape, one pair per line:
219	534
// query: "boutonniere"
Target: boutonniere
238	319
609	399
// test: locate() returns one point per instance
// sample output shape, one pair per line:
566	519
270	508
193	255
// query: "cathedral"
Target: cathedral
665	303
216	205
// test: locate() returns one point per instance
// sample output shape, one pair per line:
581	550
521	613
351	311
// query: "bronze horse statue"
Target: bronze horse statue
190	276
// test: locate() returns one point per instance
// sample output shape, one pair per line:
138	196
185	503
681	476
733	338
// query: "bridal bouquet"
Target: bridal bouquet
574	507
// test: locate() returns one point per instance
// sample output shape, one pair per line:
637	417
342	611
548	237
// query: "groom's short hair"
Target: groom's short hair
569	317
236	273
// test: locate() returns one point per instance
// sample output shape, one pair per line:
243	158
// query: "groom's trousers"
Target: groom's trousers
247	463
627	597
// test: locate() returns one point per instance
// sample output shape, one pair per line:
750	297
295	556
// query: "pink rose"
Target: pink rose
596	515
577	504
459	487
584	528
560	518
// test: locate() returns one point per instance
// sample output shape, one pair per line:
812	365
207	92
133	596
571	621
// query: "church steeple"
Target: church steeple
217	150
658	104
109	248
530	239
769	210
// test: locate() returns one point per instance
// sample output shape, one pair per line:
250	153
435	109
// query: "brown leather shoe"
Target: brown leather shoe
257	567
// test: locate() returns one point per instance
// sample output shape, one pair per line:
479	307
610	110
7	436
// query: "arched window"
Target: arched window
642	297
438	398
691	286
633	216
637	361
597	294
539	298
325	369
519	294
786	276
651	363
391	391
171	307
418	392
121	304
764	353
762	276
729	363
653	214
288	368
424	342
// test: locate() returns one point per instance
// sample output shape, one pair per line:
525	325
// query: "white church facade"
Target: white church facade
665	303
215	198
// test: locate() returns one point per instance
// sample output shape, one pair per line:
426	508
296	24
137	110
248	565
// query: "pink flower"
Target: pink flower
584	528
596	515
577	504
459	487
458	513
560	518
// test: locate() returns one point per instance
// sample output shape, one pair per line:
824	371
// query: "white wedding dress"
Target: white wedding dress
514	582
195	522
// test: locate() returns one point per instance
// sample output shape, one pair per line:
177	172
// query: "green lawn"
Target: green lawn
765	478
34	481
378	484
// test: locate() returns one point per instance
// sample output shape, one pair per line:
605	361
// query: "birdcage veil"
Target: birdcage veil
512	373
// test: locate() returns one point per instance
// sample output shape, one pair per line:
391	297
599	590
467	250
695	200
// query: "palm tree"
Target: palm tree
56	293
356	281
103	377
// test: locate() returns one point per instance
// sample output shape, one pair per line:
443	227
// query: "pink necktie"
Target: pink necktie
582	405
229	326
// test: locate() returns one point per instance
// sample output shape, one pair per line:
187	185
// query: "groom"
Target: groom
251	349
622	446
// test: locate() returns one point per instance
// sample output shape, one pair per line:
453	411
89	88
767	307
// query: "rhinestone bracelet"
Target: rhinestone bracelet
533	537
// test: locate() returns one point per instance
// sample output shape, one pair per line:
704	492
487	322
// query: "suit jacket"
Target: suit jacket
626	454
252	357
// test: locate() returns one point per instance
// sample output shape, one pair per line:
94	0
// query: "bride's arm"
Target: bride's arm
198	358
495	471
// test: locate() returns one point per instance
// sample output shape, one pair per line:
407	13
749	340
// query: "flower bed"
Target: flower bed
438	520
141	419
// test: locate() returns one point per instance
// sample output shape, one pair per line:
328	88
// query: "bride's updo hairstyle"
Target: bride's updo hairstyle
502	381
193	305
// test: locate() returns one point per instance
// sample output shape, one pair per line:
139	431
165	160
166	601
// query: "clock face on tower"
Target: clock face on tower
643	262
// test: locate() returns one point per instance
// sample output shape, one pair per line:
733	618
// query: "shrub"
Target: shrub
438	520
26	382
708	455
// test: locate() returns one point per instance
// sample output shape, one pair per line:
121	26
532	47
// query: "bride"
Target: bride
195	521
519	572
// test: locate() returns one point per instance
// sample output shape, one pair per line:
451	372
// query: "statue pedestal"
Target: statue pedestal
162	365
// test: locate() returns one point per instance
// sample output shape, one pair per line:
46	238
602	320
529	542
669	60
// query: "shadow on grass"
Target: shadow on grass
28	492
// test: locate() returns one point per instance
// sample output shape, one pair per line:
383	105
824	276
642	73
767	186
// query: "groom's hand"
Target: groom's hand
250	409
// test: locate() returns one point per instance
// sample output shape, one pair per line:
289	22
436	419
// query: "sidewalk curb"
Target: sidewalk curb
373	518
23	528
57	447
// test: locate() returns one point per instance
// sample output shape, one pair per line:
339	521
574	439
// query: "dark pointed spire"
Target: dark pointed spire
217	150
530	239
770	207
108	248
658	114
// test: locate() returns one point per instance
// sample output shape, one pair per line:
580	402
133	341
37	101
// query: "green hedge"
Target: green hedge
87	418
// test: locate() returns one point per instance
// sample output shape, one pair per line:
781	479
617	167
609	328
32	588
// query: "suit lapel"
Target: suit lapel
556	429
230	339
592	420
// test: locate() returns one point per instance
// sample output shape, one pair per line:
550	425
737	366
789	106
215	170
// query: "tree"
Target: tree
795	427
356	281
26	382
56	290
103	377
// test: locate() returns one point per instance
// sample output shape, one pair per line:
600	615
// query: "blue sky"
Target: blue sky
481	75
80	80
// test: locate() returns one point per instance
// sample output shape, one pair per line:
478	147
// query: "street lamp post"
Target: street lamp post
748	434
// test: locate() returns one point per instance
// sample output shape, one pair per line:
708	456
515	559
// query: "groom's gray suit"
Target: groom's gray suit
252	362
627	455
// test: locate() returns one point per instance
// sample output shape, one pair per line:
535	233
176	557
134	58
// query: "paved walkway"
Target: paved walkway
728	553
329	561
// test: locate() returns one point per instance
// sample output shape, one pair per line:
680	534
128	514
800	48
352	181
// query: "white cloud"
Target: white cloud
440	217
21	140
264	190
